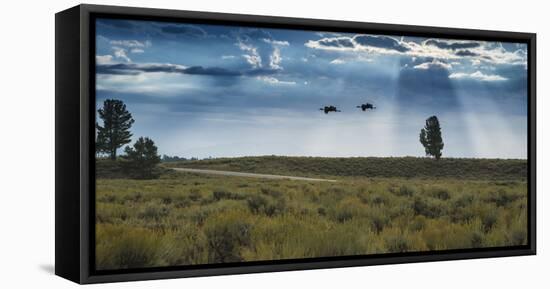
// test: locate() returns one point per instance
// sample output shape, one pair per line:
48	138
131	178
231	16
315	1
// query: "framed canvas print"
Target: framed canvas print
193	144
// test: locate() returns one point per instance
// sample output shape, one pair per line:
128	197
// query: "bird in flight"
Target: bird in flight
330	108
366	106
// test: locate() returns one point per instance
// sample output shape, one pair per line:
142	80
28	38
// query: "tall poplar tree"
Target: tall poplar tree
430	137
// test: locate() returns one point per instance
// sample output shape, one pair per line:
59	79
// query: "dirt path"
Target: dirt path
250	175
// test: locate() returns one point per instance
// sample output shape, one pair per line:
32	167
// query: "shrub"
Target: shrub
347	209
112	213
200	216
440	234
378	200
403	191
461	214
185	246
226	234
182	203
424	207
154	210
271	192
501	197
440	193
121	247
220	194
477	239
195	194
350	238
378	223
278	208
343	215
259	204
167	200
378	218
418	223
395	240
489	218
464	200
336	192
516	234
134	197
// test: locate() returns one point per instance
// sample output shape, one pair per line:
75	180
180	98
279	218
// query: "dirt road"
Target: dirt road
250	175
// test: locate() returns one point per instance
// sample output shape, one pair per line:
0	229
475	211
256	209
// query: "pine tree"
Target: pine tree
115	131
142	157
430	137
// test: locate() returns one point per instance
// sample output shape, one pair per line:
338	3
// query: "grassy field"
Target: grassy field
404	167
184	218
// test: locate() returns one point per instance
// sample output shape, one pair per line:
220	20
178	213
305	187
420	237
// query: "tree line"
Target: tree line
139	159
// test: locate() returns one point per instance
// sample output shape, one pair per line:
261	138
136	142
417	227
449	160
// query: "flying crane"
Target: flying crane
366	106
330	108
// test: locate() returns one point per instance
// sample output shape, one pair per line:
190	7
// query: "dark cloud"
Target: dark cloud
133	69
120	69
453	45
199	70
466	52
385	42
260	71
336	42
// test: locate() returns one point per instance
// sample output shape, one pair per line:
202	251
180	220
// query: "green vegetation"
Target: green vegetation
185	218
114	132
402	167
430	138
140	160
122	168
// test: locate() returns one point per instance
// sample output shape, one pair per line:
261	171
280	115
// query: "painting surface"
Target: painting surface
221	144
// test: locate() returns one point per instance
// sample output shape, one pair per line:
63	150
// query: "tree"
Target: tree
115	131
99	145
430	137
167	158
142	157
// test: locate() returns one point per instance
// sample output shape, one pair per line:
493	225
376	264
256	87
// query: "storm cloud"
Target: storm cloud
453	45
213	90
384	42
135	68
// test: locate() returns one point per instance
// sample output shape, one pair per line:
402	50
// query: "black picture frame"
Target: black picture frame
75	120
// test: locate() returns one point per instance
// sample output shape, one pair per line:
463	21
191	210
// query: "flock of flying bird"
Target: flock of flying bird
332	108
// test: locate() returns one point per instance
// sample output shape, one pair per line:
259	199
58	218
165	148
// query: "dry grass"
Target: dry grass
184	218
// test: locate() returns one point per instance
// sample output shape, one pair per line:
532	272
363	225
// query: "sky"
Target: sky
228	91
